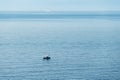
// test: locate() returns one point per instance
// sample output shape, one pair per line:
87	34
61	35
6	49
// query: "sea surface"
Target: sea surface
82	46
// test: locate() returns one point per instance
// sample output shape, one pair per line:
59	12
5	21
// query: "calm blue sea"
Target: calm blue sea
82	46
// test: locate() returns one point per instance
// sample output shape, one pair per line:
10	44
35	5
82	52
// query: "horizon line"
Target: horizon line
63	11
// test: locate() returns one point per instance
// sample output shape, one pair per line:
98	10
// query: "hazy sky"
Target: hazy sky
59	5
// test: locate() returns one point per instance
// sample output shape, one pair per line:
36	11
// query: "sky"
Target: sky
59	5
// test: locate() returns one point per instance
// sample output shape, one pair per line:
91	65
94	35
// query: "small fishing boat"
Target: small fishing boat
46	58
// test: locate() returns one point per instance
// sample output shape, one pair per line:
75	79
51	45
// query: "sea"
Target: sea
82	45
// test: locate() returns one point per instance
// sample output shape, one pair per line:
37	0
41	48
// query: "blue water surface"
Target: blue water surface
86	48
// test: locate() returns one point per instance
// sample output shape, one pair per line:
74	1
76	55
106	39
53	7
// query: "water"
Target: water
81	48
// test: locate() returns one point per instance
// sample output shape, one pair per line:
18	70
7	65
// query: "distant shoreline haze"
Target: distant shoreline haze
58	14
90	12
